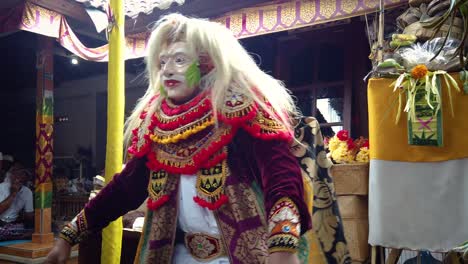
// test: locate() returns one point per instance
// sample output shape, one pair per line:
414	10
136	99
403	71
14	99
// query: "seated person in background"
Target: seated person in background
15	166
1	164
7	163
14	198
60	181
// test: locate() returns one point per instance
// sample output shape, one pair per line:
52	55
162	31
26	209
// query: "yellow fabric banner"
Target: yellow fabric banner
389	141
112	235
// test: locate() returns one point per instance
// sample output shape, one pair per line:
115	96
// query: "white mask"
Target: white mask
175	60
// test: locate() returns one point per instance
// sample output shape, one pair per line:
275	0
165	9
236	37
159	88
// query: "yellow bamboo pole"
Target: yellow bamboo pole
112	235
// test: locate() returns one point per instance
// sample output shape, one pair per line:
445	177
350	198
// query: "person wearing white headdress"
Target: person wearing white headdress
14	198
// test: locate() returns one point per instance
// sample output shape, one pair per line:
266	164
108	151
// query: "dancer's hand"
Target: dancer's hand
283	258
59	253
15	187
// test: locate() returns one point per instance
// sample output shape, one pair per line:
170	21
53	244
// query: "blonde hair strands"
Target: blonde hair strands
233	68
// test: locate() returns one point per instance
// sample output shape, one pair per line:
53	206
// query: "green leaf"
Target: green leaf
162	91
193	75
449	89
452	16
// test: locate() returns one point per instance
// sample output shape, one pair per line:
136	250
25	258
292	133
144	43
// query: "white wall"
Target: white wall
78	100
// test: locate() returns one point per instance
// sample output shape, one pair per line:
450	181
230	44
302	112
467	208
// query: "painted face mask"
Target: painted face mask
180	72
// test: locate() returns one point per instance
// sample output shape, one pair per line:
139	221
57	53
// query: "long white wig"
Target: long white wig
233	67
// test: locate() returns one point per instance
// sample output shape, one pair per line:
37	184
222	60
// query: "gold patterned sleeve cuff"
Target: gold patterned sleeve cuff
284	226
76	230
69	234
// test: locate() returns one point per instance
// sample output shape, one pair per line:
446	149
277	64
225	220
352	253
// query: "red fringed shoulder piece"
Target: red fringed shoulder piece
263	127
242	112
140	142
172	117
208	154
140	146
239	117
172	110
212	206
153	205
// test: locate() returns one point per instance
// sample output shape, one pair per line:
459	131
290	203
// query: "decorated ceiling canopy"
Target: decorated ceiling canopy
279	16
134	7
36	19
262	19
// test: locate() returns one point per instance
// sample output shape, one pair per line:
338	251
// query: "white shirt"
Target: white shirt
193	219
7	177
22	200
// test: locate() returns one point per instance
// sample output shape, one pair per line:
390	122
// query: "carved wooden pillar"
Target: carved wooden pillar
44	141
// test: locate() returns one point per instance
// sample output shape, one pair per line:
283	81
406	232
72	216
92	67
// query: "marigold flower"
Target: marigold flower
366	144
363	155
419	71
342	135
333	144
342	154
350	144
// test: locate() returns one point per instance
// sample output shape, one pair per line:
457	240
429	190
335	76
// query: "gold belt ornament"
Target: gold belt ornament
204	247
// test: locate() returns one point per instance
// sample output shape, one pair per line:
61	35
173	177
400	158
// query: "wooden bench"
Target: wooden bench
30	253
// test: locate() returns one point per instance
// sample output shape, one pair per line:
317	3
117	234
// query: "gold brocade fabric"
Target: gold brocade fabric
389	141
326	239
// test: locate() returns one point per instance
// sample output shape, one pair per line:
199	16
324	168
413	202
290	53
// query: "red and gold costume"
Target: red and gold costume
246	175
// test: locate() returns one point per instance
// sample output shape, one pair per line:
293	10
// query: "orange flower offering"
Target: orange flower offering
419	71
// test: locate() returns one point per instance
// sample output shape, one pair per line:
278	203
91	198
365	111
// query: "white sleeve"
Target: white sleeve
28	200
4	191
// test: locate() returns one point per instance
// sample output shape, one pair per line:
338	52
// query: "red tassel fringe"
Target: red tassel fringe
153	205
185	107
187	118
200	160
133	149
239	121
216	160
212	206
256	131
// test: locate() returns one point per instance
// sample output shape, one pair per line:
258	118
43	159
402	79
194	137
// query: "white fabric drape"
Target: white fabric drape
418	205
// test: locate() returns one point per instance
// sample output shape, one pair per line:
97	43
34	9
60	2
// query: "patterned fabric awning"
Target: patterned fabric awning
267	18
134	7
278	16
